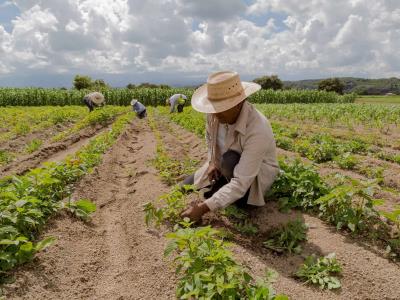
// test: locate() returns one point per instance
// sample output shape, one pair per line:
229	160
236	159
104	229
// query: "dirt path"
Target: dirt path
116	257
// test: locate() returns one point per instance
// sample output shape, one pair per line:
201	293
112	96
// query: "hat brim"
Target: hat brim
97	100
201	103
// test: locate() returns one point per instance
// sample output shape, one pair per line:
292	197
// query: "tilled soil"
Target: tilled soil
51	152
117	257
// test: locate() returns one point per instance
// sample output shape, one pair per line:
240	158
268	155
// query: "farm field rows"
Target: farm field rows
116	255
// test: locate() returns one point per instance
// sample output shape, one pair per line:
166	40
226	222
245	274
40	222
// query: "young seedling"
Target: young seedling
288	238
82	208
321	271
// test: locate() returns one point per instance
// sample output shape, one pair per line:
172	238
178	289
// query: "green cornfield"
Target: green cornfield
153	96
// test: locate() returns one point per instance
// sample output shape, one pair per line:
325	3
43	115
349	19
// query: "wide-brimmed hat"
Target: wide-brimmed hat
97	98
133	102
222	91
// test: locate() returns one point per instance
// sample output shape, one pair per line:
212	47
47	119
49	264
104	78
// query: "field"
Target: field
89	209
379	99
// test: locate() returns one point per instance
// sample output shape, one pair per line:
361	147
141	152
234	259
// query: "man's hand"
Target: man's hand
195	212
213	173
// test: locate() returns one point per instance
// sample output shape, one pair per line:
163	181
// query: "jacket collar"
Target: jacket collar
241	122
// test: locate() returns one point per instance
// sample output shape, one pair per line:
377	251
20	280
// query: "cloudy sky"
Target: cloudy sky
47	42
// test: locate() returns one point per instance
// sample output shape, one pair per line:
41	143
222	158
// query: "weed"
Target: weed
346	161
246	227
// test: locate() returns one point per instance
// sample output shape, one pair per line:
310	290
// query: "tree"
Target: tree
82	82
331	85
130	86
269	82
100	84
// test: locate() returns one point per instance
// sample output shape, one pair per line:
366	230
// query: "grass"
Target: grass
379	99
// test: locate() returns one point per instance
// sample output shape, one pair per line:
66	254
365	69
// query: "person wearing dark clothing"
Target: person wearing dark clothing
93	100
139	108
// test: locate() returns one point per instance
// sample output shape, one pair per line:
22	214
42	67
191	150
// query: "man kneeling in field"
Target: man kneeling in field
242	162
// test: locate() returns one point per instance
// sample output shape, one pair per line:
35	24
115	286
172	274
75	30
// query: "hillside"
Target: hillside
358	85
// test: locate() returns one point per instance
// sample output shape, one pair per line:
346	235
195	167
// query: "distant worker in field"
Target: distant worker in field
139	109
242	163
93	100
177	102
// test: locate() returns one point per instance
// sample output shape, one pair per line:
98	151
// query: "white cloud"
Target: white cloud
298	39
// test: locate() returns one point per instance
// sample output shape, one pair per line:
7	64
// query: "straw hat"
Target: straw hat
97	98
222	91
133	102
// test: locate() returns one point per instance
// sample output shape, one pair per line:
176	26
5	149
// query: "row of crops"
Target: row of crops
29	200
344	201
24	130
153	96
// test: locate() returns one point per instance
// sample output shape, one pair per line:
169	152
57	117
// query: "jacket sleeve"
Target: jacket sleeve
255	147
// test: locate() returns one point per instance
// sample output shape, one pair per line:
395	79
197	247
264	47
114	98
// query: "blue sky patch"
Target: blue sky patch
8	12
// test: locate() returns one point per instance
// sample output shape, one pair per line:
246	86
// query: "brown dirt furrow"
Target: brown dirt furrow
116	256
366	275
51	152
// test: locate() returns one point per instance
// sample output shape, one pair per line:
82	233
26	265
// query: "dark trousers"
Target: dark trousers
228	163
142	115
88	103
180	107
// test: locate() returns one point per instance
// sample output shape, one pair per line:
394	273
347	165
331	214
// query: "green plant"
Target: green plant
246	227
5	157
33	145
82	208
171	206
350	205
321	271
346	161
207	270
232	211
297	185
394	242
288	238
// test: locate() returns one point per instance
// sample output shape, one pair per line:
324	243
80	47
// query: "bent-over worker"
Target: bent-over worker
139	109
94	99
242	163
177	101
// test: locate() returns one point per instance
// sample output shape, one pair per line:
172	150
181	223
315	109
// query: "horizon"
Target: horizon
46	43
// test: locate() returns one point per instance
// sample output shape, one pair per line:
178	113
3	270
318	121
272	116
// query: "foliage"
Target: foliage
27	201
150	96
246	227
350	205
331	85
33	145
288	238
394	242
346	161
297	185
207	270
269	82
82	208
321	271
170	207
101	116
82	82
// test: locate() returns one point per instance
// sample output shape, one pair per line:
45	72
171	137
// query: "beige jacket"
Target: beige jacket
251	136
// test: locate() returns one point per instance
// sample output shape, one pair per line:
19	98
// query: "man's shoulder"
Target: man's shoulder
256	121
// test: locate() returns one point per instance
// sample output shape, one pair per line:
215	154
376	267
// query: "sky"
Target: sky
179	42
